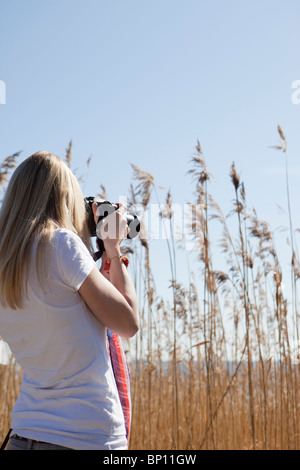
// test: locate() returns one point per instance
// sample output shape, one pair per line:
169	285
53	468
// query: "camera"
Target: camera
106	208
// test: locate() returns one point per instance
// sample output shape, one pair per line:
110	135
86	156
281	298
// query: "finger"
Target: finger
94	207
121	208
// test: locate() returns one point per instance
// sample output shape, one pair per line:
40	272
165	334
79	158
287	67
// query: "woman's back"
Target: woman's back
68	394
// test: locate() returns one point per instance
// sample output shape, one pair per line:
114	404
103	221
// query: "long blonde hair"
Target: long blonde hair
42	195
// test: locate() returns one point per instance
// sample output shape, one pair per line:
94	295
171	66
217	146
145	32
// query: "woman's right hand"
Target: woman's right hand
113	228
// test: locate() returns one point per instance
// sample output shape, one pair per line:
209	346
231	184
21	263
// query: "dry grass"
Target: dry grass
6	166
214	367
10	383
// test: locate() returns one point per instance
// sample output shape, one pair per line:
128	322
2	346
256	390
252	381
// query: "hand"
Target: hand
113	228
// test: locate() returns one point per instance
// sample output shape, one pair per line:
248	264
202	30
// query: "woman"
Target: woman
55	308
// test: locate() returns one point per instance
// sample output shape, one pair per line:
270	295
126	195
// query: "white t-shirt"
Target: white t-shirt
68	395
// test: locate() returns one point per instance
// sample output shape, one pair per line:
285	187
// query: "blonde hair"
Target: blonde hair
42	195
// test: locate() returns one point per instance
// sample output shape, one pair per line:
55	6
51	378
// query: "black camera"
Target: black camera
106	208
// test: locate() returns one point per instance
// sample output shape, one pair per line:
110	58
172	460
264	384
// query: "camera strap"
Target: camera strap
97	255
100	245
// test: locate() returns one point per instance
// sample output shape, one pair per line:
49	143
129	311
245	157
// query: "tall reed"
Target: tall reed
214	365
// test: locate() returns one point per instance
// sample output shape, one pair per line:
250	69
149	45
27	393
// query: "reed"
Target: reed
215	364
6	166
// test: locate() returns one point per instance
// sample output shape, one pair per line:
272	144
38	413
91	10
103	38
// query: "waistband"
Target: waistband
20	438
35	444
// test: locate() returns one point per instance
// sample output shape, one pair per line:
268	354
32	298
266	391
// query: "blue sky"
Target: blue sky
140	81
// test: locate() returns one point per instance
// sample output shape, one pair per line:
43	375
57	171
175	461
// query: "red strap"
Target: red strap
122	376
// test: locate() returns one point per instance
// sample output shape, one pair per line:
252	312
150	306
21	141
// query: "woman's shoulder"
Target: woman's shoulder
69	249
65	234
66	256
66	239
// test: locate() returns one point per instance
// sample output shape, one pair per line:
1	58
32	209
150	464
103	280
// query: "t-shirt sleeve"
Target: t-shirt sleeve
74	259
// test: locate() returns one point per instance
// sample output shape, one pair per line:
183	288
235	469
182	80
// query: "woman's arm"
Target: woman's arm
113	301
115	309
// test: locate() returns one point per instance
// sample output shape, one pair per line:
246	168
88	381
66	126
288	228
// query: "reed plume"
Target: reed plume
8	164
214	365
68	157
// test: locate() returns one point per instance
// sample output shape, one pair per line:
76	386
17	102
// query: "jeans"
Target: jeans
17	443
